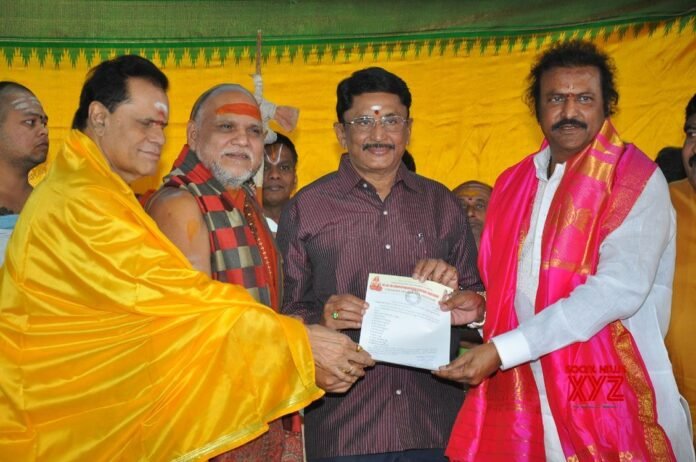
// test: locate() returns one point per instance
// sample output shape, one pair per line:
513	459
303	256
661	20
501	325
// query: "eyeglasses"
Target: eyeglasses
390	123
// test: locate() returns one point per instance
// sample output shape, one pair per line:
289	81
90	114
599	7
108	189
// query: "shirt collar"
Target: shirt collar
541	162
349	178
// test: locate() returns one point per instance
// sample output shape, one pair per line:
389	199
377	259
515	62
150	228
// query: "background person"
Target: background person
680	337
474	197
279	178
23	146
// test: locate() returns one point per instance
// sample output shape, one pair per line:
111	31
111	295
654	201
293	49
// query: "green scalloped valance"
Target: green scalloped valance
61	31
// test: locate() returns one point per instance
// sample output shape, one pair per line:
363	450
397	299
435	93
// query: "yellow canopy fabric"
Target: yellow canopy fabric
470	119
112	347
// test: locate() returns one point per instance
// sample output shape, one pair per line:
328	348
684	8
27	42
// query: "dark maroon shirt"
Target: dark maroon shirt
332	234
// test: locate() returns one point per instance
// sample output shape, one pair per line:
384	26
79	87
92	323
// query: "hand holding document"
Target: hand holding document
404	324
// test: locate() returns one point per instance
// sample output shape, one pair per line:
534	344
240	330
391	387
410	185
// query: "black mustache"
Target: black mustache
572	122
692	161
367	146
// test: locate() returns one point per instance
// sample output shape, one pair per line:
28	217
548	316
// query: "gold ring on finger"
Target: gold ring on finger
334	315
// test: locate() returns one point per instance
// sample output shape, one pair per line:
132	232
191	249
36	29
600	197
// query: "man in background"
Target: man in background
474	197
23	146
279	178
680	340
669	160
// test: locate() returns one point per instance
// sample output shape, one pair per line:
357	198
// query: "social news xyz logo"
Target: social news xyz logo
595	383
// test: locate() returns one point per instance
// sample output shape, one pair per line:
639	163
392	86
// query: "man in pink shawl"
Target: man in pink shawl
577	256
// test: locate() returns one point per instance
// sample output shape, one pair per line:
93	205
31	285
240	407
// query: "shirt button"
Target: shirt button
385	213
388	246
398	392
364	185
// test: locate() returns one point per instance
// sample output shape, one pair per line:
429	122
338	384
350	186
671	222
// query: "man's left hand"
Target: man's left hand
466	306
437	270
472	367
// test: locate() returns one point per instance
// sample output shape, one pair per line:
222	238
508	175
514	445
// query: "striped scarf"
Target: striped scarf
238	254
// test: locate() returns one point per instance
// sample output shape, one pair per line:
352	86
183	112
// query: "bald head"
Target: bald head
474	197
23	129
216	90
475	185
8	94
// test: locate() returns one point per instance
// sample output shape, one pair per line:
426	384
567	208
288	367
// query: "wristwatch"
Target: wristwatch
479	324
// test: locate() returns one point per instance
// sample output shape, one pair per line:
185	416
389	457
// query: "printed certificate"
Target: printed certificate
404	324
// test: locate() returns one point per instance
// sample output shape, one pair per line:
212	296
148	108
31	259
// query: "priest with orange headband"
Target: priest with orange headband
209	208
208	205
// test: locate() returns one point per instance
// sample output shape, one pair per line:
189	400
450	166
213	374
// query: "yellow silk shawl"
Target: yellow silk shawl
112	347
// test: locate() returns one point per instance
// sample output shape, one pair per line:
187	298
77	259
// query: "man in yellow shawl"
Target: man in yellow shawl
112	346
680	338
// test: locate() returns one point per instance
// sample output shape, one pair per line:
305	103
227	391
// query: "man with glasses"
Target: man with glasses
373	215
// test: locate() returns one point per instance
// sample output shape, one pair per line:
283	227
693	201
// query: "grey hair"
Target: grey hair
217	89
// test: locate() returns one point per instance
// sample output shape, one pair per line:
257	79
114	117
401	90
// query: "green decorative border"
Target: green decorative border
168	52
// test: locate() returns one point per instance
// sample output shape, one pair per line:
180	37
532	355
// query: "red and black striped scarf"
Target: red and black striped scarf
238	254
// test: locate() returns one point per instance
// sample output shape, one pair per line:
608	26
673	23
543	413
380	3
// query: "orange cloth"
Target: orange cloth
112	347
681	341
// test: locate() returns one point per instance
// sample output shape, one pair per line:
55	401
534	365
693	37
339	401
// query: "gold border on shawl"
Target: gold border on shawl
598	169
653	435
624	456
520	243
587	164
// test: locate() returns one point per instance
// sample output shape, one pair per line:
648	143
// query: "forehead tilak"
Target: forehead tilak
278	155
26	102
474	190
246	109
162	110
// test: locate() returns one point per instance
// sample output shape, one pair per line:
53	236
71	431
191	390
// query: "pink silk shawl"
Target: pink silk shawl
599	391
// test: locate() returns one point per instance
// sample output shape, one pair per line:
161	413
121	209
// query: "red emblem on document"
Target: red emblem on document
375	285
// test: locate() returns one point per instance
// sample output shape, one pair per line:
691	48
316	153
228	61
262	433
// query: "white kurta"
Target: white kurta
633	283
